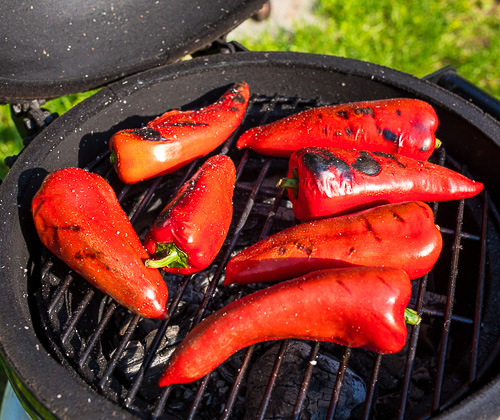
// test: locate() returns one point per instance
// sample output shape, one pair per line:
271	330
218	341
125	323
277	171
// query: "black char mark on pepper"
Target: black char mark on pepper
382	280
390	136
321	161
397	217
343	285
370	229
390	157
366	110
343	114
365	164
82	254
187	124
238	98
148	134
75	228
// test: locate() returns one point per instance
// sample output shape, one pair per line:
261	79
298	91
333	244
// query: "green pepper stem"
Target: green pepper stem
411	317
438	144
288	183
168	255
113	159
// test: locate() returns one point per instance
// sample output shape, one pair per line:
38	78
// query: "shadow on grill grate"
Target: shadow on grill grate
122	356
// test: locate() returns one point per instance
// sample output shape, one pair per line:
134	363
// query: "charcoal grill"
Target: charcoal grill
71	352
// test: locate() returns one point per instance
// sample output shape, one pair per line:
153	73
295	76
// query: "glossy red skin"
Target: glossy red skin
396	235
198	218
357	307
338	181
79	219
177	137
397	126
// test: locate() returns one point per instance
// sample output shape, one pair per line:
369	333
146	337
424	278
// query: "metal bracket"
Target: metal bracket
448	78
30	119
220	46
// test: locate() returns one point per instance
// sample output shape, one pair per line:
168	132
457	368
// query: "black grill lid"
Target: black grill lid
51	48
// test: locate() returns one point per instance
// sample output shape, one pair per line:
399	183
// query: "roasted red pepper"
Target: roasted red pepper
79	219
397	126
190	231
395	235
177	137
325	182
358	307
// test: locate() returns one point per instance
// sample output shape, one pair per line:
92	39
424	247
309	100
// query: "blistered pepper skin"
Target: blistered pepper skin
328	181
395	235
177	137
79	219
193	226
358	307
397	126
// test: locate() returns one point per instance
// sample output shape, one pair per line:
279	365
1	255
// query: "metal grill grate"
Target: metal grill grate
446	356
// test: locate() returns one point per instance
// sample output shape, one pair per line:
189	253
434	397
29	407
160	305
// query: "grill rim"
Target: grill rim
23	179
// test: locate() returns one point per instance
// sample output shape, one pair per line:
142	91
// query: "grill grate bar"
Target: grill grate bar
372	384
480	292
449	308
155	344
237	383
478	311
442	314
58	295
272	380
422	286
97	334
338	384
73	320
160	406
118	352
463	235
305	382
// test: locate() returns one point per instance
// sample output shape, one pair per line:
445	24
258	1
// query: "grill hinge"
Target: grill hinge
30	119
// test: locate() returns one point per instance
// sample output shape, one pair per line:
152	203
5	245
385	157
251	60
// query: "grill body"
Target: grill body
43	363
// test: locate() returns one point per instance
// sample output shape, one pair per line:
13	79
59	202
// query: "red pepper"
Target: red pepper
357	307
325	182
395	235
397	126
79	219
190	231
177	137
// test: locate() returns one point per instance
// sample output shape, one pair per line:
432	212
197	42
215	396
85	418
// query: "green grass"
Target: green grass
414	36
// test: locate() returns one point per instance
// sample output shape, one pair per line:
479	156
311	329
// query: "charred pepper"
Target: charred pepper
398	126
79	219
325	182
358	307
177	137
395	235
190	231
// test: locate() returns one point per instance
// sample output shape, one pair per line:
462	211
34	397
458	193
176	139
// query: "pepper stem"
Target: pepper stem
167	255
438	144
411	317
288	183
291	183
113	159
